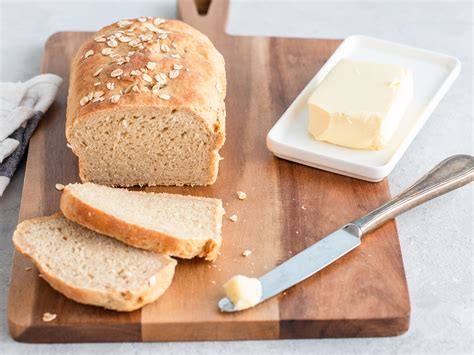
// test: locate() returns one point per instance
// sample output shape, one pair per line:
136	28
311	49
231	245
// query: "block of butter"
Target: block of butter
360	104
244	292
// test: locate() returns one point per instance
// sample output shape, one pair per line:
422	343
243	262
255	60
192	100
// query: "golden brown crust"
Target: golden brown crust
115	300
199	89
88	216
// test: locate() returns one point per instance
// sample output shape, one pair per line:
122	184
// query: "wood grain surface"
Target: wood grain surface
363	294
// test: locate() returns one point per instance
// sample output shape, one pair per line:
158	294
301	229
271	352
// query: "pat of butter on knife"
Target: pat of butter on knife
360	104
244	292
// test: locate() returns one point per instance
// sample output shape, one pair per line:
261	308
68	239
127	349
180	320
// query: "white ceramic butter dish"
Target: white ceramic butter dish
433	74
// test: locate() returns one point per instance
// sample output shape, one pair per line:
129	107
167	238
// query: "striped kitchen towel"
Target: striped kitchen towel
21	107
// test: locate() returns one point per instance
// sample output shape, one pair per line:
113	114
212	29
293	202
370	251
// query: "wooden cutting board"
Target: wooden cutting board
289	207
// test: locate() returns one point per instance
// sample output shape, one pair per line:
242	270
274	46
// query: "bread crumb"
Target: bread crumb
28	268
69	145
213	282
303	207
241	195
59	187
233	218
297	232
40	275
247	253
48	317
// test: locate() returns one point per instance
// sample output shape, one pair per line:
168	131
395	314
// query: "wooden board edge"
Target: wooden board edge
214	331
20	314
17	317
73	334
344	328
404	317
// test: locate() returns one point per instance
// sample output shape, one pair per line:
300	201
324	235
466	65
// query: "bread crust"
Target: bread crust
199	90
84	214
114	300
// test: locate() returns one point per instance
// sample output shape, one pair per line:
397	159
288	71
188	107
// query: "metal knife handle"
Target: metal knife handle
450	174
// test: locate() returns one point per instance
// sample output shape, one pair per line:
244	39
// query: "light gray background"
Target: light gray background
436	239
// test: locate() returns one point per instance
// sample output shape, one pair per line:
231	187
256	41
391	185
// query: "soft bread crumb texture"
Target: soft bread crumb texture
177	225
146	105
148	146
91	268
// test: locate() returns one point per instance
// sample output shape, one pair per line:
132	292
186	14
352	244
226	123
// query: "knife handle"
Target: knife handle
450	174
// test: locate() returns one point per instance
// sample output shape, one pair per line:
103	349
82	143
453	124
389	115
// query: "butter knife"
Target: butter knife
450	174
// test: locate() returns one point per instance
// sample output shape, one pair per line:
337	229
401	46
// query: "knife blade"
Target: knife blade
304	264
450	174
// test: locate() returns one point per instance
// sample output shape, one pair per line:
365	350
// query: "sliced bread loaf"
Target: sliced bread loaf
91	268
176	225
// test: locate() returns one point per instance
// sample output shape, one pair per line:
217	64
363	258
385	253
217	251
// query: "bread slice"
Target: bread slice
91	268
176	225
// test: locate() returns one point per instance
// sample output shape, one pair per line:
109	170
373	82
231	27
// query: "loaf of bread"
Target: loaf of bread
176	225
146	105
91	268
